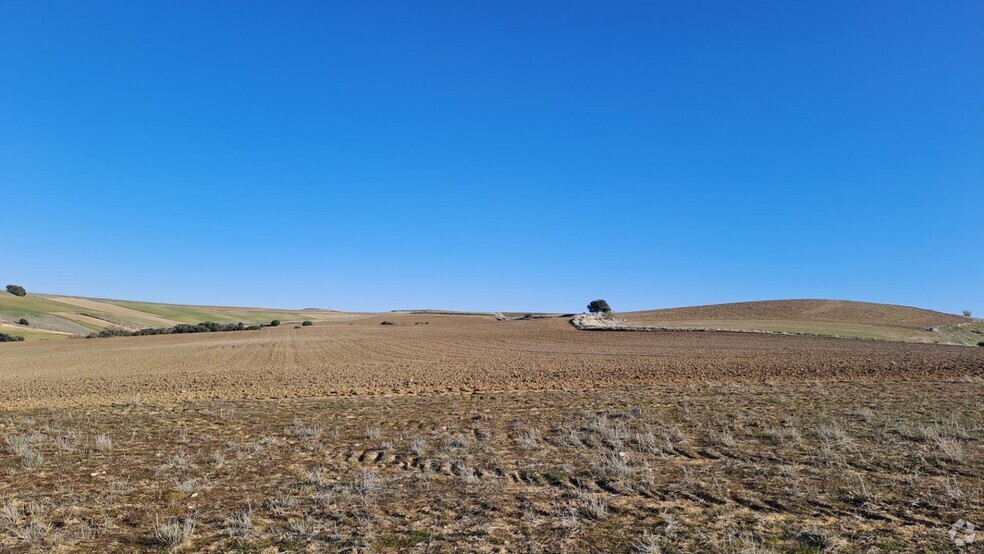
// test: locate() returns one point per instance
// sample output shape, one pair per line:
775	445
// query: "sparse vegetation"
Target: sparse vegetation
183	328
24	322
587	470
174	532
16	290
4	337
487	435
599	306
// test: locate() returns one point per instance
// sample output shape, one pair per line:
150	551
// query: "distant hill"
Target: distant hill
845	311
841	318
55	316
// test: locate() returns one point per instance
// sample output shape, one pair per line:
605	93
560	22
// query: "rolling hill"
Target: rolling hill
56	317
840	318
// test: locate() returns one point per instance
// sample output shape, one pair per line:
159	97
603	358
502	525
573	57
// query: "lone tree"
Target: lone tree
16	290
275	323
24	322
599	306
967	313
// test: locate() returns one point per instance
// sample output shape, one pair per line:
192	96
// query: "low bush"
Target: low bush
387	323
275	323
981	344
181	328
4	337
16	290
24	322
307	323
111	332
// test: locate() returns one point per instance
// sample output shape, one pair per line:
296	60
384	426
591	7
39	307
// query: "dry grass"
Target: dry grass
472	435
677	468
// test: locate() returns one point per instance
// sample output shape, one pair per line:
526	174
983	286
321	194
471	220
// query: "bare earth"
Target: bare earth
843	311
461	433
449	353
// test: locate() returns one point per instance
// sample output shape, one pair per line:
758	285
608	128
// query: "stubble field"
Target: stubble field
455	433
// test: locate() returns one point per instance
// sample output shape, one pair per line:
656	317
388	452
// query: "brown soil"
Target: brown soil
805	310
764	468
447	354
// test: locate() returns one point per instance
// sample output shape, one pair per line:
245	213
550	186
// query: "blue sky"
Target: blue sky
488	155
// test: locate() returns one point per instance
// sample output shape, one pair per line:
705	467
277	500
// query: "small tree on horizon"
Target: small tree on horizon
16	290
599	306
967	313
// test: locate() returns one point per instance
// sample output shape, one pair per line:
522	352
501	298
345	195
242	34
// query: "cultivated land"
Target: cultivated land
836	318
464	433
82	316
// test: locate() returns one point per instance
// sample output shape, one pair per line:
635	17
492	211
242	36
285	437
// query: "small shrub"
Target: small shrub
967	313
16	290
275	323
981	344
24	322
599	306
307	323
174	532
103	442
387	323
4	337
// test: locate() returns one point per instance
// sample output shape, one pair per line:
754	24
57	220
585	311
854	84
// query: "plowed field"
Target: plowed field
433	353
442	433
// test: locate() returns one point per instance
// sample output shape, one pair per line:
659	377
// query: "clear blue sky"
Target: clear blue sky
489	155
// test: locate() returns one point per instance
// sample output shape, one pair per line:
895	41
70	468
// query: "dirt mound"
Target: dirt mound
844	311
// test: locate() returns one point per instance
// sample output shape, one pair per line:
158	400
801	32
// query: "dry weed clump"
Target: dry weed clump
174	532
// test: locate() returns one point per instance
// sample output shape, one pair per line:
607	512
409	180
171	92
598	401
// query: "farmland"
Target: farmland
82	316
441	433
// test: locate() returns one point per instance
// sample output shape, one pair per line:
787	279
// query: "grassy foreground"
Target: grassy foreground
723	468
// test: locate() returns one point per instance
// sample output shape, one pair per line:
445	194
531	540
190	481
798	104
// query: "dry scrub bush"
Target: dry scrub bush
239	524
174	532
419	446
103	442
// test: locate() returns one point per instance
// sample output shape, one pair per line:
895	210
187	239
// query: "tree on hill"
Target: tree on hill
967	313
275	323
16	290
599	306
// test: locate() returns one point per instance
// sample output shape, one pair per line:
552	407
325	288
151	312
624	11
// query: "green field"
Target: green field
197	314
31	335
82	316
